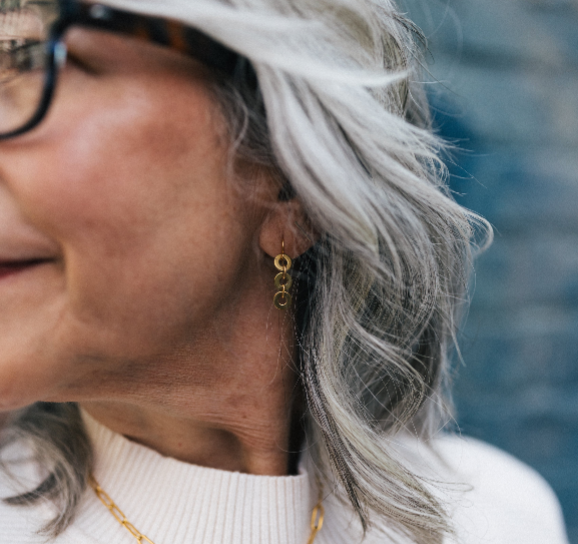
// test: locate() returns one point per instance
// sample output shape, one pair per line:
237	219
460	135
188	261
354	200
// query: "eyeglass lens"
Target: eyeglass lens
24	59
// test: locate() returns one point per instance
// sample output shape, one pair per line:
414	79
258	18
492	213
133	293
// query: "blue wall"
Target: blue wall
508	93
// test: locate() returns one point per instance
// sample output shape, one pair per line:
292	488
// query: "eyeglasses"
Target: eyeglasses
32	51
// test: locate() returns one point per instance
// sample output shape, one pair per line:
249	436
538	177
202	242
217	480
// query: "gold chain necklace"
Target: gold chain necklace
316	516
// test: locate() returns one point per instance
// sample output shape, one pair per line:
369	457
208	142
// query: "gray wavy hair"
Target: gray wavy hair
342	120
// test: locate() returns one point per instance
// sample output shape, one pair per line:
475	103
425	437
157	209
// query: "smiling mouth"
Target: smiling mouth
9	268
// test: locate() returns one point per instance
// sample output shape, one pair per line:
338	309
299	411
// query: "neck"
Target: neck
223	408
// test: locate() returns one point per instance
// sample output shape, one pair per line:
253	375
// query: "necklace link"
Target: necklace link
118	514
316	520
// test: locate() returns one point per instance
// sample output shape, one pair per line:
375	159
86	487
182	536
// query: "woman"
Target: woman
230	278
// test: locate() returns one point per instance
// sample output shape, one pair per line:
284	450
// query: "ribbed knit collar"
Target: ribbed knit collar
176	502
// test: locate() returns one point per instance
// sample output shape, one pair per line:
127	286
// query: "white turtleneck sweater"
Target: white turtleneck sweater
504	502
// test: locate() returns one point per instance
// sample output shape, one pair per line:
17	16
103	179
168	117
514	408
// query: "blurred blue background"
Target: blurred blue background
507	92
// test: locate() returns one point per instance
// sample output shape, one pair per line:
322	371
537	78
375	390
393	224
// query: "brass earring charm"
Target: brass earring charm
283	281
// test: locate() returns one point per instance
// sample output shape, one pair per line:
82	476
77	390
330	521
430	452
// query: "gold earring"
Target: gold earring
283	281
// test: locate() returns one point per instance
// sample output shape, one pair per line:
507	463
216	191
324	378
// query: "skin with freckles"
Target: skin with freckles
145	291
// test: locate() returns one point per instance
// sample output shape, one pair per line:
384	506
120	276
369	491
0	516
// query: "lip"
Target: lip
21	249
11	268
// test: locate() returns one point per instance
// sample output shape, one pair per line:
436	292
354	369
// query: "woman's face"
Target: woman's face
122	239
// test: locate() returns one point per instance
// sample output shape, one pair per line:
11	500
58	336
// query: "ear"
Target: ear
287	222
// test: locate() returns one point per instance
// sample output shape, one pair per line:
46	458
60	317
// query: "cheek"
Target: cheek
115	139
134	190
132	147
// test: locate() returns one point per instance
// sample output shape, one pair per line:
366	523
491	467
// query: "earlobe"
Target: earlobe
286	222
